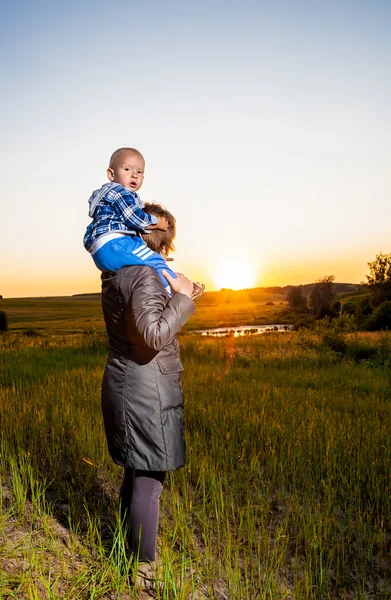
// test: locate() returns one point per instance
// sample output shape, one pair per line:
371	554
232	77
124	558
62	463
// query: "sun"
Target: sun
236	272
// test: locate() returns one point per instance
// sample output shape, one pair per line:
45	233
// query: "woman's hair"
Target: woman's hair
159	240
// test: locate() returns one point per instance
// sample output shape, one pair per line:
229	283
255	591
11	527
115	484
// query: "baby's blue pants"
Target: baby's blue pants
128	250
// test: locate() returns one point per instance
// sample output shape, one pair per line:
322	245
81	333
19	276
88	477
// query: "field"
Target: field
75	314
286	492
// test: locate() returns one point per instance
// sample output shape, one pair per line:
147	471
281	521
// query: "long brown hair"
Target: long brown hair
159	240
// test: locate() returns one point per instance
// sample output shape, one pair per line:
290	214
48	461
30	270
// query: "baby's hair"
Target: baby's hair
115	156
157	239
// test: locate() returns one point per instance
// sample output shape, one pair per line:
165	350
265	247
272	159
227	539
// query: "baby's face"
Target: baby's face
128	170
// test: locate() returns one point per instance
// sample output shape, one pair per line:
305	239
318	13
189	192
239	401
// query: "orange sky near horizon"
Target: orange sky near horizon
64	281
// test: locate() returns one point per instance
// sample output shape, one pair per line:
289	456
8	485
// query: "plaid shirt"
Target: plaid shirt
117	209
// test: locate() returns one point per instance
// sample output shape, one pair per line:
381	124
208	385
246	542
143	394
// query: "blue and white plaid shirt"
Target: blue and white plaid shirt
115	208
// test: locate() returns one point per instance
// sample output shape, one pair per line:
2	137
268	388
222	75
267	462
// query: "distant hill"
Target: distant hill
338	288
275	294
92	295
267	293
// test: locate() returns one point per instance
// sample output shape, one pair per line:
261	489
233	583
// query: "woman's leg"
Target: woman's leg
125	499
144	512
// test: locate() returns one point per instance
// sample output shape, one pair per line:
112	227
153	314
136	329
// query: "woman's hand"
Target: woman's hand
181	284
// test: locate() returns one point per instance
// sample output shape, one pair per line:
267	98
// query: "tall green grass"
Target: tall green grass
286	490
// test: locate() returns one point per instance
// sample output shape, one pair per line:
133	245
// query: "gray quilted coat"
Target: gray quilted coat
142	398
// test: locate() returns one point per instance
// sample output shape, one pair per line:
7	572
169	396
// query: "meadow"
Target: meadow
76	314
286	491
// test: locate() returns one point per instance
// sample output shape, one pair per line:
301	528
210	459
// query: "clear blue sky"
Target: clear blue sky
265	127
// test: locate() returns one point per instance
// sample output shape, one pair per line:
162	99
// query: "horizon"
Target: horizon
266	133
98	293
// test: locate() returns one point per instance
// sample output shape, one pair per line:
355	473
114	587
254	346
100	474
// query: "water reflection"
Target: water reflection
243	330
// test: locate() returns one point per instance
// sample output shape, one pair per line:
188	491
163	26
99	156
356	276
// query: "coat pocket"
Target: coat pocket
169	364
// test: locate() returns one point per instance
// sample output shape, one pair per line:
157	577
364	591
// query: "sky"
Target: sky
265	126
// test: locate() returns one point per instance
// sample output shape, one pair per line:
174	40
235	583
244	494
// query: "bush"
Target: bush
343	322
303	322
379	279
327	310
31	333
365	306
363	310
296	299
356	349
346	322
3	321
269	304
361	350
384	350
349	308
380	318
336	341
378	352
322	297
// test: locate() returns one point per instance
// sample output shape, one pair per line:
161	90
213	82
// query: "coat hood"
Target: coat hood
97	196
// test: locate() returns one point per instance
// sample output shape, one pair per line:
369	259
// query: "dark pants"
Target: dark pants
139	498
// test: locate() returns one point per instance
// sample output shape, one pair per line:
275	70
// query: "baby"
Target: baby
117	217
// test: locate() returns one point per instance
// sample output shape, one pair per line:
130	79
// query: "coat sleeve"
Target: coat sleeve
152	318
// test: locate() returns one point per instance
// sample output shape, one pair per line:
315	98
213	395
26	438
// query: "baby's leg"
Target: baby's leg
126	251
142	253
117	253
155	260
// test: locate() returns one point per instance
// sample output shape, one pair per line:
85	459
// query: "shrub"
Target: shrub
303	322
343	322
383	354
335	340
361	349
296	299
31	333
3	321
328	311
269	304
365	306
363	310
349	308
379	279
346	322
322	297
380	318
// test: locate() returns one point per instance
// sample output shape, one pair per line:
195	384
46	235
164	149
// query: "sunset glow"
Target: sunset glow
236	272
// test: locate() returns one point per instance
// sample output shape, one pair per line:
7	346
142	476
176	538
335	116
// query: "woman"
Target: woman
142	399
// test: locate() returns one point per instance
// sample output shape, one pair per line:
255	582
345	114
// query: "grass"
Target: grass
62	315
76	314
286	491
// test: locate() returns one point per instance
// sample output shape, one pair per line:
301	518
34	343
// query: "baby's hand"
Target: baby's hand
162	224
198	290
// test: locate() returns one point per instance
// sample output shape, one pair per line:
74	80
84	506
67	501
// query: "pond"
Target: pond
243	330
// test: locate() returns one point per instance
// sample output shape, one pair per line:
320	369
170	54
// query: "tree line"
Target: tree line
371	312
